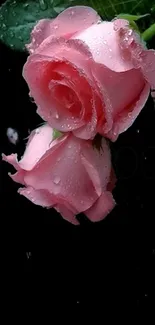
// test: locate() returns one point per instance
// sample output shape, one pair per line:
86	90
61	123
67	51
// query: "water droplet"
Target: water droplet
11	34
97	52
25	5
138	131
57	116
110	50
126	38
37	131
28	192
56	180
56	27
59	159
105	42
72	12
69	147
43	5
3	26
14	2
130	32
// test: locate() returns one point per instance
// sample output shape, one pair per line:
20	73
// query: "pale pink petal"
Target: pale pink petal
79	192
18	177
128	87
101	208
66	24
12	159
38	197
37	146
148	66
134	49
125	119
102	41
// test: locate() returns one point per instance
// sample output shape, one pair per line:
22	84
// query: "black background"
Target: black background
110	264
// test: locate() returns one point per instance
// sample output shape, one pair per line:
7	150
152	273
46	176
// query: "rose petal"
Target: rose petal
36	147
67	23
67	214
38	197
112	181
101	208
49	107
135	50
125	120
103	44
148	66
78	192
11	159
18	177
128	86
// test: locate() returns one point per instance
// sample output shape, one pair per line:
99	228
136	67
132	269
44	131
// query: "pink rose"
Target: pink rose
88	76
68	174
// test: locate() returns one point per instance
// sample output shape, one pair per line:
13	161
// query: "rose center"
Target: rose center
67	98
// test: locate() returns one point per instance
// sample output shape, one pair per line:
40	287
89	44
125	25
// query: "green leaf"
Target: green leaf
56	134
17	18
111	8
132	17
149	33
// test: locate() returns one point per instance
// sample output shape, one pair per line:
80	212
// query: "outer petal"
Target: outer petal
38	197
133	49
38	144
78	192
67	213
125	119
148	66
12	159
102	41
66	24
101	208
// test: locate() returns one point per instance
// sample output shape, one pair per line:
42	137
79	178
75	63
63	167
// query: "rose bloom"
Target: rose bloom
86	75
67	173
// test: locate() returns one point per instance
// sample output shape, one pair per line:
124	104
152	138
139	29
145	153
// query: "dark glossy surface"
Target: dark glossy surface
110	264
